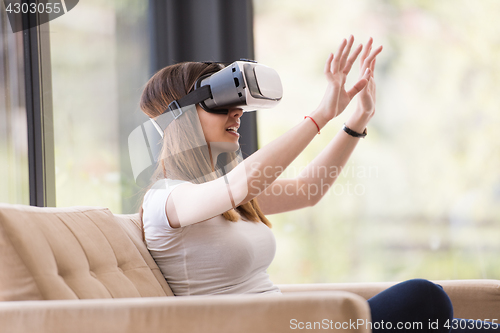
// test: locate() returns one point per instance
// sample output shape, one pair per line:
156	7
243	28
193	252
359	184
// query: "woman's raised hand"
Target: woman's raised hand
337	67
366	98
365	108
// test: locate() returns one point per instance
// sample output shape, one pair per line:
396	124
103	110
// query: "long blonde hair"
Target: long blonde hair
178	159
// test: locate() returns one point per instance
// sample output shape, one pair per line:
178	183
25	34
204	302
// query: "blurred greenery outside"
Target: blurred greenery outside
100	63
427	174
14	185
427	180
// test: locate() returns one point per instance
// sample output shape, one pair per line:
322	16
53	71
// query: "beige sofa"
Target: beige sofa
84	269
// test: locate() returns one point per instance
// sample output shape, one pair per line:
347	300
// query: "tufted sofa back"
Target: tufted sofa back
74	253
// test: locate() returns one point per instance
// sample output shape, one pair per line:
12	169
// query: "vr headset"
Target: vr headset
243	84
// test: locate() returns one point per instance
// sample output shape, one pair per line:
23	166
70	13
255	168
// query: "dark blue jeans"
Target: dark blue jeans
419	305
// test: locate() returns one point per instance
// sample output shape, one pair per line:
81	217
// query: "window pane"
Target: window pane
99	53
14	183
420	196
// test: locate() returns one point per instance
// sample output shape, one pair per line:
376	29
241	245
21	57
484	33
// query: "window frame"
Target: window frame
40	125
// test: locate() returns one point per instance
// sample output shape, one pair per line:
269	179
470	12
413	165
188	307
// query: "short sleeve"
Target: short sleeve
154	203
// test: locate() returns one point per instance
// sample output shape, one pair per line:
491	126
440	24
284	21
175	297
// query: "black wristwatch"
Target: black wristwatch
354	134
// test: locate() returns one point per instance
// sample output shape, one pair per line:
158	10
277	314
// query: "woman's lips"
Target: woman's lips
234	133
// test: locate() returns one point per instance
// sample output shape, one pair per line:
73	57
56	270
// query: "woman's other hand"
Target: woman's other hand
365	108
337	67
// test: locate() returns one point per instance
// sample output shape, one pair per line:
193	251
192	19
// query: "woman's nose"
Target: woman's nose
236	113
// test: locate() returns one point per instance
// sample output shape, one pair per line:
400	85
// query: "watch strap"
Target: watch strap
353	133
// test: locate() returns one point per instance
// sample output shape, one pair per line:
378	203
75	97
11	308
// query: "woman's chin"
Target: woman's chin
225	146
234	146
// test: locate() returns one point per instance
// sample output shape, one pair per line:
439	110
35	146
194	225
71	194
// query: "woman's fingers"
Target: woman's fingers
372	66
328	63
342	61
366	51
336	59
368	61
346	52
352	59
363	81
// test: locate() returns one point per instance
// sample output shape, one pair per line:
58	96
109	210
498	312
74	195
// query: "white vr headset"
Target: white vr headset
243	84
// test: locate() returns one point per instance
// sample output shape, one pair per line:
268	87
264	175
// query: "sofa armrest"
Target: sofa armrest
474	299
224	313
471	299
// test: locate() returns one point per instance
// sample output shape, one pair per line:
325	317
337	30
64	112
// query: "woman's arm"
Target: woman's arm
338	151
191	203
315	180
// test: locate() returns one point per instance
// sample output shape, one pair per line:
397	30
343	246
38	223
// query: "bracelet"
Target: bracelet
314	123
353	133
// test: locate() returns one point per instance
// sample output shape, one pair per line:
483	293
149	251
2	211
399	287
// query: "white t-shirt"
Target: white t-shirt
215	256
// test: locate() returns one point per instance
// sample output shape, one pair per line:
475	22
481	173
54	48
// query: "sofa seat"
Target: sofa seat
84	269
471	299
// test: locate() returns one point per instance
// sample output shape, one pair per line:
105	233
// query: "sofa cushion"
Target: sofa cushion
70	253
131	223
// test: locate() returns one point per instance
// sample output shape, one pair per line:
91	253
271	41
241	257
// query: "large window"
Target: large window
100	61
85	72
420	196
14	187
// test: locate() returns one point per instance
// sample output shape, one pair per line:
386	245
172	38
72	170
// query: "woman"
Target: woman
210	235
